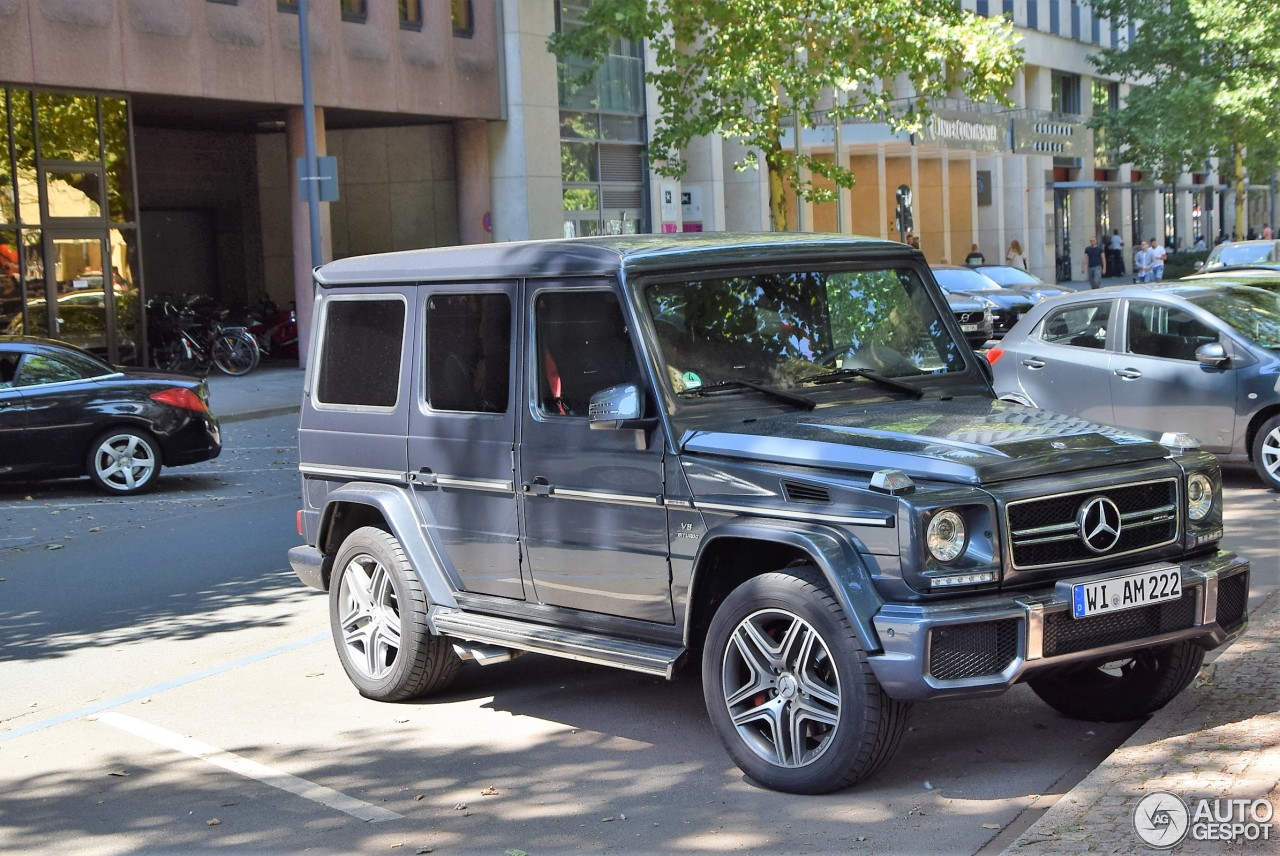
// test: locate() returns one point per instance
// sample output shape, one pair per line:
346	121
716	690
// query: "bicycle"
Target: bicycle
181	341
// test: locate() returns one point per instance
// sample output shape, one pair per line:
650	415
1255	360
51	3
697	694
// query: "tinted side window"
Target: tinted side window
38	369
1082	326
469	352
583	347
1156	330
360	352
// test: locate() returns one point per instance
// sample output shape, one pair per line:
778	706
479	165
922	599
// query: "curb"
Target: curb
1219	738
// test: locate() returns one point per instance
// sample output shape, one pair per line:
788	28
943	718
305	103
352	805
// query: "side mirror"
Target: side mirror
619	407
1199	265
1212	354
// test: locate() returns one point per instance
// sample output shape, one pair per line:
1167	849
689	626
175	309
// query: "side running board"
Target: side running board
559	642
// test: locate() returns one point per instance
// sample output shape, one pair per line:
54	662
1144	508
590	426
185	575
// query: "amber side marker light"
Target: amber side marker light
994	354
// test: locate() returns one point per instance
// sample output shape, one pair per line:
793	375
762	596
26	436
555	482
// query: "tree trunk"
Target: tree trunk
1238	149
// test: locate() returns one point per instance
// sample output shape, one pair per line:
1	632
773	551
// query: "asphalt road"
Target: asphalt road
167	686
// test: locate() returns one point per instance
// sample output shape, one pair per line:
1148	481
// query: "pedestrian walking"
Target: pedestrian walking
1014	256
1142	264
1158	255
975	256
1094	264
1115	256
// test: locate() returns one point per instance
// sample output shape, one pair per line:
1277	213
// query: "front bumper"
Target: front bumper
980	647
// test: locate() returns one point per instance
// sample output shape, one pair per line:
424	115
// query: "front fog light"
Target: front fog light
1199	496
945	535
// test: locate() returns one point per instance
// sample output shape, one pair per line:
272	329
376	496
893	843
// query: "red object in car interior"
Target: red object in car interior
180	397
994	354
299	519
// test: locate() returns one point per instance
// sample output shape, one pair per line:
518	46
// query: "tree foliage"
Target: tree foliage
742	69
1206	77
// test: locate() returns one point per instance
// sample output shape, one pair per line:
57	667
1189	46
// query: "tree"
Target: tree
1206	77
742	68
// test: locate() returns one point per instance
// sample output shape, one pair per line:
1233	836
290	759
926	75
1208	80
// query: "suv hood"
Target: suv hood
971	440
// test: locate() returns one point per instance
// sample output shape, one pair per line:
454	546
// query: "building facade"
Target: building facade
151	148
986	175
152	145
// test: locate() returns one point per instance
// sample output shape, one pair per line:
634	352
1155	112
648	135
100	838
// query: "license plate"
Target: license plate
1127	592
969	328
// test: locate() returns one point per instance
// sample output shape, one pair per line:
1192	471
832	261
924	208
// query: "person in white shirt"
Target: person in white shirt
1157	257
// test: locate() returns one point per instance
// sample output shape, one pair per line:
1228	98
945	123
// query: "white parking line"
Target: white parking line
249	769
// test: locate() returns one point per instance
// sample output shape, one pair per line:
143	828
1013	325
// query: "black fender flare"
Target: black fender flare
833	551
407	526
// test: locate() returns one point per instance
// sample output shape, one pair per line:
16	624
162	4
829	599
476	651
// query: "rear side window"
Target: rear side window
360	352
469	352
1079	325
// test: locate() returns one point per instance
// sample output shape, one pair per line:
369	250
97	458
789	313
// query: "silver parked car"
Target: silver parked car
1199	358
1234	253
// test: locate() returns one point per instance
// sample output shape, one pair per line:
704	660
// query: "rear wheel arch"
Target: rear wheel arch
389	508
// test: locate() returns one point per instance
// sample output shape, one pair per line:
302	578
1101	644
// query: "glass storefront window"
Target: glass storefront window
74	194
8	213
115	139
578	162
24	157
68	126
10	280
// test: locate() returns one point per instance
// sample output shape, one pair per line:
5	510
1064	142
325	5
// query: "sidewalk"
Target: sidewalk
1219	738
272	389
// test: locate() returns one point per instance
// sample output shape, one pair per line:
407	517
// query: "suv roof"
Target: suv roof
586	256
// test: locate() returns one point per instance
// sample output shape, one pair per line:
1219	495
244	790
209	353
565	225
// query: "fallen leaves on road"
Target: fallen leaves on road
460	807
213	821
490	791
53	546
118	773
990	826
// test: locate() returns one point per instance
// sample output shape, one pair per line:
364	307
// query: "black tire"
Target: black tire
1266	453
170	356
815	684
378	612
1123	689
123	461
235	353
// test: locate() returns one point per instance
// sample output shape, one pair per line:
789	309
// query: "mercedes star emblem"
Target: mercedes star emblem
1098	522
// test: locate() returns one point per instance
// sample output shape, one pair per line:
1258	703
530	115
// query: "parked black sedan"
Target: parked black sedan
64	412
1008	304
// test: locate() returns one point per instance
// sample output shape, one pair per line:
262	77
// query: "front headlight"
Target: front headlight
1199	496
945	536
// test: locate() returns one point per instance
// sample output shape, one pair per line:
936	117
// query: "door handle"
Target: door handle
1128	374
538	487
423	476
1034	363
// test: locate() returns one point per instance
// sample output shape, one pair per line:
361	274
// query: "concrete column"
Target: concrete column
471	155
525	149
300	220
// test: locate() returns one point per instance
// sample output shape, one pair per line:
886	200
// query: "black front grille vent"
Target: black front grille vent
801	492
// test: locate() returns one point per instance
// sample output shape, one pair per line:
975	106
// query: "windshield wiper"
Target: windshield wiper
780	394
845	374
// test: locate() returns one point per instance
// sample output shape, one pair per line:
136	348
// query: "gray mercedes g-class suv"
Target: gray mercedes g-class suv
773	455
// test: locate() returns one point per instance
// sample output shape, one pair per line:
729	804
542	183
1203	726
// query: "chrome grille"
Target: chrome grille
1044	532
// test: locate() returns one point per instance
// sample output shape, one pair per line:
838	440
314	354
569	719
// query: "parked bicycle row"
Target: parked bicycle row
195	334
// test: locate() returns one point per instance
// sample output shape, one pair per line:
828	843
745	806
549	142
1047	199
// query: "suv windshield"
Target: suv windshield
798	328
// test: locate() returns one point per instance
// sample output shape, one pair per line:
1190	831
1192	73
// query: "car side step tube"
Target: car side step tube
602	650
